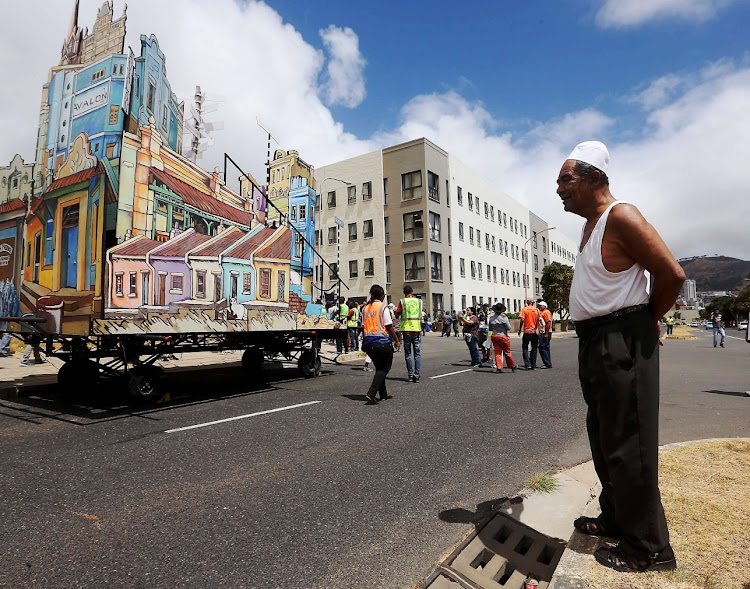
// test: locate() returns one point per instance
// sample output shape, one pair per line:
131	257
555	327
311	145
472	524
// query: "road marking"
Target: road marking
452	373
735	337
197	425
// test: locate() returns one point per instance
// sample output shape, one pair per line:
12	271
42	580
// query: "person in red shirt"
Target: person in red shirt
546	337
529	317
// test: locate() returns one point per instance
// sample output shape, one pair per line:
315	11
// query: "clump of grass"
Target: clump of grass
542	482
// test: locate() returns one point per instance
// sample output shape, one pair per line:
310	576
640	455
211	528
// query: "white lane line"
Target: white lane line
452	373
197	425
735	337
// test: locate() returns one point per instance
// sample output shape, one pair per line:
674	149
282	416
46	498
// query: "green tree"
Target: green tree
742	304
725	306
556	281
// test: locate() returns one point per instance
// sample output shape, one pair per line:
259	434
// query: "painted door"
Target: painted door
235	281
37	255
144	288
217	288
69	257
162	289
282	287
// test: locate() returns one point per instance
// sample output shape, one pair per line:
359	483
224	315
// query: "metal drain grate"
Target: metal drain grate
502	554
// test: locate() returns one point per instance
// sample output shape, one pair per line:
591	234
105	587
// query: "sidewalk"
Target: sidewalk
533	534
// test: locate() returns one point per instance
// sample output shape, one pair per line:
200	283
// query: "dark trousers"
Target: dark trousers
529	339
353	338
382	359
619	373
544	351
342	341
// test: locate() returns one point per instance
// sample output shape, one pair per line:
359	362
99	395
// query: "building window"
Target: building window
505	220
462	267
265	283
488	272
332	199
367	229
351	195
352	231
164	117
414	266
434	228
473	269
151	96
460	231
463	301
471	235
353	271
292	213
436	266
133	284
387	228
476	205
493	243
49	240
299	245
494	273
486	211
471	202
450	268
177	283
411	185
536	263
433	185
333	271
369	266
459	196
544	245
536	285
367	191
479	238
413	227
303	212
487	241
200	284
331	235
533	240
118	281
388	269
492	214
479	271
385	191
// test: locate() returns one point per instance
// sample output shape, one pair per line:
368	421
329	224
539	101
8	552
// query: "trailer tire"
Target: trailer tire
146	381
78	378
309	364
252	360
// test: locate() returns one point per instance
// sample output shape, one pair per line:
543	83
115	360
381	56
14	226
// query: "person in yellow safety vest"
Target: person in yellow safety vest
379	341
410	310
670	325
352	321
342	339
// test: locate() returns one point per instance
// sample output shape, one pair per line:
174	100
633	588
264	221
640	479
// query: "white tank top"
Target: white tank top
596	291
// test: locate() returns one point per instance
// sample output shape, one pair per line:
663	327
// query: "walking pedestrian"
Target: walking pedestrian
5	338
454	318
718	326
342	339
352	319
616	317
483	335
545	339
529	317
447	323
32	346
470	323
500	326
411	313
380	340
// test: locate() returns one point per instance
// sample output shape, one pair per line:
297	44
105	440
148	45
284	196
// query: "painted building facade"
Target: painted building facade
285	166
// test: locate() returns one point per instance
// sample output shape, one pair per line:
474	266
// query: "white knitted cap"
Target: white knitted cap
541	304
591	152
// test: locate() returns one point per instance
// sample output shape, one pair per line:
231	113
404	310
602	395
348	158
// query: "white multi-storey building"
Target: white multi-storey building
413	213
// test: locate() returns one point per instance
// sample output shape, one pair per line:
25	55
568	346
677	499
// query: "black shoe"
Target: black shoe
416	380
513	369
386	397
616	558
544	367
371	400
499	370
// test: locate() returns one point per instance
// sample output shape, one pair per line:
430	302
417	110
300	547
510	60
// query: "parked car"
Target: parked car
709	325
693	324
742	325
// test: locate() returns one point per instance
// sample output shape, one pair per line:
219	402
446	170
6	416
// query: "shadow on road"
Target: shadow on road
730	393
460	515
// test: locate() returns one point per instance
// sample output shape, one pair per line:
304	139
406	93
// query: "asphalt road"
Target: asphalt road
327	493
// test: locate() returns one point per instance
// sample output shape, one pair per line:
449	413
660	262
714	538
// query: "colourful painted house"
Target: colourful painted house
172	275
207	274
129	274
238	262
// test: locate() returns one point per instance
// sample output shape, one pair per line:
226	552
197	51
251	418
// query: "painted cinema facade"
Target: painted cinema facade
125	235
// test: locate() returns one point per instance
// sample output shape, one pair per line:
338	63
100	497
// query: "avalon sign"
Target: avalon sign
91	100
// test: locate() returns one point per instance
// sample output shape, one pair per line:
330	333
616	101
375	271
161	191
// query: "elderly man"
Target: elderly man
545	338
616	316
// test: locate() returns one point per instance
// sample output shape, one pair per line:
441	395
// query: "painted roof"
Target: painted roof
179	247
281	248
76	178
245	249
219	243
137	247
202	200
12	205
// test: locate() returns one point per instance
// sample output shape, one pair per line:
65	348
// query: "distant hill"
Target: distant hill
717	272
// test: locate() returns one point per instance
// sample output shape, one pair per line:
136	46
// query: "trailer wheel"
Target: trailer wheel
252	360
78	377
309	364
146	381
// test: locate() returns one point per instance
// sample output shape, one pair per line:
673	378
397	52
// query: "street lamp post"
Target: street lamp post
338	235
526	261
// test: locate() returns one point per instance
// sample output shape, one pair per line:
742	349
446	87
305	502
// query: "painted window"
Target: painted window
49	233
177	281
293	213
151	96
265	283
200	284
118	284
411	185
133	284
247	283
302	212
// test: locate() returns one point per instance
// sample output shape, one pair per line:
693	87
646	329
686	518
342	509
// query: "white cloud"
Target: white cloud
628	13
345	82
687	170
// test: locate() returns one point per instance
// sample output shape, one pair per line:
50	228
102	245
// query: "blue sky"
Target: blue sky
509	88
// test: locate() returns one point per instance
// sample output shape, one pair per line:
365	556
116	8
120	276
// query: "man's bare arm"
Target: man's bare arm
638	239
